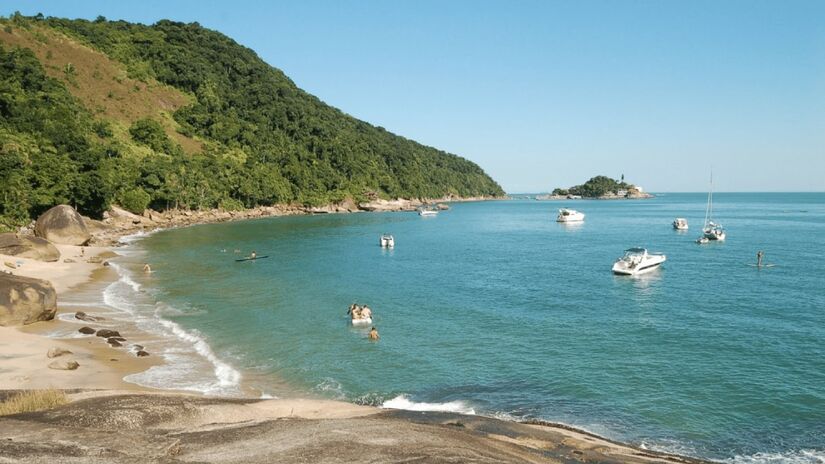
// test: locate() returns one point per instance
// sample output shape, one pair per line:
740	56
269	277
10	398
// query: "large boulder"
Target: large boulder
26	246
24	300
62	224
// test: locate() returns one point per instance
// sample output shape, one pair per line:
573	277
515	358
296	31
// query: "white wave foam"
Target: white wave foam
226	374
330	385
402	402
126	296
808	456
129	239
76	303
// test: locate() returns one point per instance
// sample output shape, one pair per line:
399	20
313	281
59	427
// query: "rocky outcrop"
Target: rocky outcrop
390	205
171	429
27	246
24	300
86	330
62	224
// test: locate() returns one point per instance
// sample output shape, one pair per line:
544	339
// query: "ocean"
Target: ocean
494	308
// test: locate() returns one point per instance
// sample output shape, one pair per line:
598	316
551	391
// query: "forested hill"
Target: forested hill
176	115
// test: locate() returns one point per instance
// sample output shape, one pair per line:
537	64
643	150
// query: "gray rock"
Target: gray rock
27	246
106	333
24	300
62	224
56	352
141	354
86	330
80	315
64	365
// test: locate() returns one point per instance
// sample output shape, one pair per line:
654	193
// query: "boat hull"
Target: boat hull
651	263
364	321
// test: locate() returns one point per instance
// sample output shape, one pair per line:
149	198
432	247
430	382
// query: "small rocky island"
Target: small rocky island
599	188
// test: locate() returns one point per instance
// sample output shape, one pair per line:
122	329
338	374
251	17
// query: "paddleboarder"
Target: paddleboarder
759	255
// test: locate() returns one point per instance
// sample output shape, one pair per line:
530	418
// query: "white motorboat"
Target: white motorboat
425	212
638	261
387	241
569	215
680	224
362	321
711	230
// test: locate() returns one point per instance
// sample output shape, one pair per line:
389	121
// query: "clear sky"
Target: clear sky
545	94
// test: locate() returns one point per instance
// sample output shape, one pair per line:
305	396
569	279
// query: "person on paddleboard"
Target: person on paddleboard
759	255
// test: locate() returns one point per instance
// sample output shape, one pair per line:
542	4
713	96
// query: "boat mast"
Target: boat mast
710	195
710	201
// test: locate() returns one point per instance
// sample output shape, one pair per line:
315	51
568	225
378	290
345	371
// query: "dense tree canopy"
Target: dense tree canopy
265	140
595	187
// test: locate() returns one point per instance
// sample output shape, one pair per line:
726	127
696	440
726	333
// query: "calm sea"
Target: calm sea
494	308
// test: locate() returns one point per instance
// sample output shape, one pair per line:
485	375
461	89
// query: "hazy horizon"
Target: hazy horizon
548	94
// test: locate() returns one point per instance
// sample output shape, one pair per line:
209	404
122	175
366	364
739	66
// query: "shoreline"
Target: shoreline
106	376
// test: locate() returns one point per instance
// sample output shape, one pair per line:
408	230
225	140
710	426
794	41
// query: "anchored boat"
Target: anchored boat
711	231
386	241
569	215
638	261
680	224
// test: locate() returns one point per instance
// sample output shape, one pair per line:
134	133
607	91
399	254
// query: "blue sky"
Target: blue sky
545	94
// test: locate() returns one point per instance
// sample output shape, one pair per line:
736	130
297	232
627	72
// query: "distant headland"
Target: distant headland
599	188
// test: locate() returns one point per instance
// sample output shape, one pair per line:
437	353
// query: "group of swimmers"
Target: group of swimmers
362	312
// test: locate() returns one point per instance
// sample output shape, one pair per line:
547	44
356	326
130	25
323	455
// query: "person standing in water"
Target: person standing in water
253	255
759	255
146	268
373	335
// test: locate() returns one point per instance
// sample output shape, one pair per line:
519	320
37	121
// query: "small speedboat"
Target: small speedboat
638	261
387	241
680	224
569	215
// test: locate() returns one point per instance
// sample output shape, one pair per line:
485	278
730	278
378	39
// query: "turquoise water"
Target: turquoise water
496	308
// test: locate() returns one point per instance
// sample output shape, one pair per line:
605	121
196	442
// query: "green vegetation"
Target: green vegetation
595	187
264	140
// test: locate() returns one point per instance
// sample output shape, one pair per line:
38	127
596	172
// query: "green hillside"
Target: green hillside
172	114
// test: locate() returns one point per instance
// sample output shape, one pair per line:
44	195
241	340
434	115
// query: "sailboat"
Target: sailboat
711	231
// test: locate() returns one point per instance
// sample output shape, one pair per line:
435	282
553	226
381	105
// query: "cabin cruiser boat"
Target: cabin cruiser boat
637	261
680	224
425	212
387	241
569	215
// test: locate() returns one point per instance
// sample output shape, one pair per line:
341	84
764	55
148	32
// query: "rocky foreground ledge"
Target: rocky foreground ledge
164	428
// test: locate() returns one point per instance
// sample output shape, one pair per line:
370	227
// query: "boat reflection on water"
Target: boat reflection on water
644	286
572	226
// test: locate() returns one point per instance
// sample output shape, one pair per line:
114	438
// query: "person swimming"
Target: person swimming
147	268
373	335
